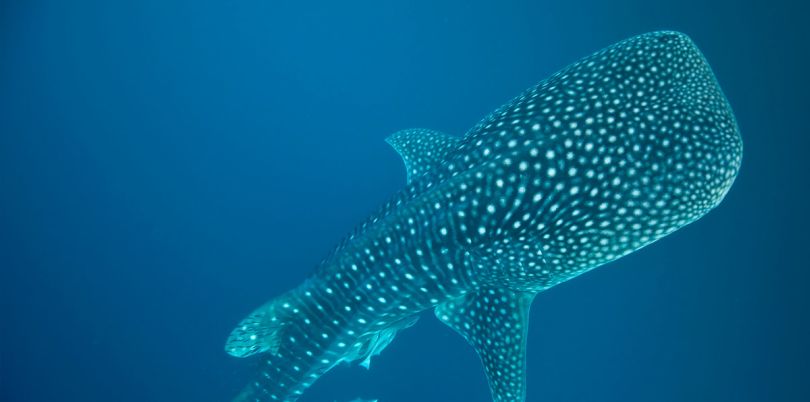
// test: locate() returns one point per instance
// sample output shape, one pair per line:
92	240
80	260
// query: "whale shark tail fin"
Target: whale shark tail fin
260	331
281	333
298	339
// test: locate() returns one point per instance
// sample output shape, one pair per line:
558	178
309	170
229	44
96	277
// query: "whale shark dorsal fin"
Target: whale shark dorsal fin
421	149
495	322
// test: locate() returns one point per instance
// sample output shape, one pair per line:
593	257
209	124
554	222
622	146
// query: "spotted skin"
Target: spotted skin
604	157
421	149
495	322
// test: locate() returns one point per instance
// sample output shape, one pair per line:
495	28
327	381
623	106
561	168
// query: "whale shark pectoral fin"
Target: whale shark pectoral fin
421	149
495	322
373	343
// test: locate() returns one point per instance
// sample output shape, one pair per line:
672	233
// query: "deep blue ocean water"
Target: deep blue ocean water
167	166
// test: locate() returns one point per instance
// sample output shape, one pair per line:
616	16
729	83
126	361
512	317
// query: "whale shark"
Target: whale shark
606	156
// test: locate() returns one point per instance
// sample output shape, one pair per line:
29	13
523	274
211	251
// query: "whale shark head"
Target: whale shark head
608	155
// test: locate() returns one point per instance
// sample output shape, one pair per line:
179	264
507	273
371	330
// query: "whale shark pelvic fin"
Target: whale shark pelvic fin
372	344
495	322
422	149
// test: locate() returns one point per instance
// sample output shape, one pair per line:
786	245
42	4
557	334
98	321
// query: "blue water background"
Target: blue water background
167	166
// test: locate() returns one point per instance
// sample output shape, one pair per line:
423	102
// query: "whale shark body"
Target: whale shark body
604	157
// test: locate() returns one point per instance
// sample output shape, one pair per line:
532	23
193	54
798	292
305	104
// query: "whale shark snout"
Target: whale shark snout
711	145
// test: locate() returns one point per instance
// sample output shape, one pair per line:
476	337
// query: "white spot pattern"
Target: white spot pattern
604	157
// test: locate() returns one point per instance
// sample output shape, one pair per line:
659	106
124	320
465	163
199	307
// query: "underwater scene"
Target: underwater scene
404	201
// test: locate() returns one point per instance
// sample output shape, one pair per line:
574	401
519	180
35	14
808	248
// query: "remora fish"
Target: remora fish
603	158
